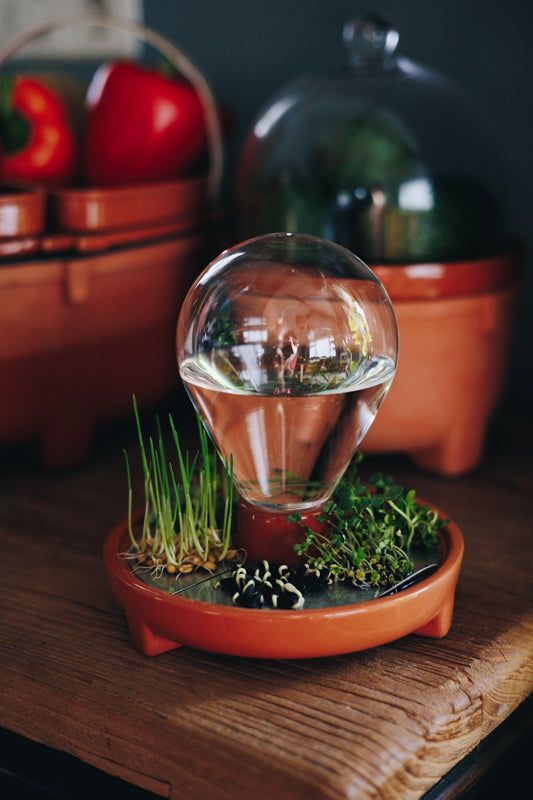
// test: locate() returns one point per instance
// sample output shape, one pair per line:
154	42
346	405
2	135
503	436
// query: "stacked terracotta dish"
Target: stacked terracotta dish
89	311
91	280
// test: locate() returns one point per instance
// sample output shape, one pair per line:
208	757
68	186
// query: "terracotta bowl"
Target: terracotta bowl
159	621
22	219
455	324
92	210
92	281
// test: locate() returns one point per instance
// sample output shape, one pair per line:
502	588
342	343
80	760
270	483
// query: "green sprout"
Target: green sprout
369	529
182	505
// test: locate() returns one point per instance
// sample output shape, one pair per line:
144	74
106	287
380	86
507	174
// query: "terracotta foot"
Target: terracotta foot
145	640
439	626
459	452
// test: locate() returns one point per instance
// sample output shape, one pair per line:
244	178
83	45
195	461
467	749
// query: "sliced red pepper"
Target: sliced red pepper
140	126
37	141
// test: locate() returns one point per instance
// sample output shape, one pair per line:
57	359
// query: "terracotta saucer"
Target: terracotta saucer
159	621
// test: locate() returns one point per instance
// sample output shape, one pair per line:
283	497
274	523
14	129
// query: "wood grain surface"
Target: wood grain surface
384	723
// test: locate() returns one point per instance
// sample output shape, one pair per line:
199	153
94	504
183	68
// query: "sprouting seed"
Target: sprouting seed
181	513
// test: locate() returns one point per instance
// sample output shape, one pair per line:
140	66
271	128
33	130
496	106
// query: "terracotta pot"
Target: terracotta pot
268	535
455	324
82	333
80	336
22	212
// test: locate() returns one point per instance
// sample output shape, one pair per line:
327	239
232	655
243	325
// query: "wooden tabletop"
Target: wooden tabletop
383	723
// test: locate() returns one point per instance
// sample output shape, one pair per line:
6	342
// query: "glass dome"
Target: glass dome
287	344
380	155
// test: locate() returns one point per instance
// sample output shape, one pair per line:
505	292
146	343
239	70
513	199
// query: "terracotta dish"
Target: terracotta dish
123	208
22	213
159	621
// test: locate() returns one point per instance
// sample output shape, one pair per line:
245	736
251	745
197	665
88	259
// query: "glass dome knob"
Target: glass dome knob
370	38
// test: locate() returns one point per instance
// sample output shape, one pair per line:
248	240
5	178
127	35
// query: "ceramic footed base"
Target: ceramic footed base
159	621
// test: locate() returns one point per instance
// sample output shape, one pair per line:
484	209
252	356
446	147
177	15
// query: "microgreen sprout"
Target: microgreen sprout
180	531
369	529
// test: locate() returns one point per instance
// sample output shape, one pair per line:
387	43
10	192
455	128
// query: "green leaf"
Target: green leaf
344	496
394	492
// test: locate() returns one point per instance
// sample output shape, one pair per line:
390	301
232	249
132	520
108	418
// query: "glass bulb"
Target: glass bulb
287	344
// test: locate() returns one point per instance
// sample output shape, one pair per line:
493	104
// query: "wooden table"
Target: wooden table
385	723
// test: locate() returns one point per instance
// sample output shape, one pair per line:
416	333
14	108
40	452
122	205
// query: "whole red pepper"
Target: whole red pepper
140	126
37	141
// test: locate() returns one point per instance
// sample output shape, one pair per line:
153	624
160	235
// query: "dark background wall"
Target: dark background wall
249	49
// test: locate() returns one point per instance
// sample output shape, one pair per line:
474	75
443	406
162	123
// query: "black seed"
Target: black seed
228	585
252	600
287	600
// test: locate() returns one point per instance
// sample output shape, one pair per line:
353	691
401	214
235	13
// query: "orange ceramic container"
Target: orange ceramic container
81	335
22	212
455	326
93	210
268	535
89	320
159	621
22	219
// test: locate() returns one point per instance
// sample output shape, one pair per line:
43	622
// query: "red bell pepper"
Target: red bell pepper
140	126
36	137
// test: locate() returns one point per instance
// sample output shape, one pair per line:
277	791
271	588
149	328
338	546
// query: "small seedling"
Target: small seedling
370	529
186	524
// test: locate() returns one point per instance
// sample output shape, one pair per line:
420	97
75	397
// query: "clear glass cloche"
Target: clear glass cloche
380	155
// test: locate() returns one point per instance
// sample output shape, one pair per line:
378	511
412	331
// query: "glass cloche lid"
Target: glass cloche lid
380	155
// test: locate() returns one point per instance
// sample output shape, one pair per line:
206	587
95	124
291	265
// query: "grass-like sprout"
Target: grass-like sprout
180	528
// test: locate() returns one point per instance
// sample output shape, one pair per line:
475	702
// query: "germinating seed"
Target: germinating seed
273	586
